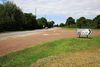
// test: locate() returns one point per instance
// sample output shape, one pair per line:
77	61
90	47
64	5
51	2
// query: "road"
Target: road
7	35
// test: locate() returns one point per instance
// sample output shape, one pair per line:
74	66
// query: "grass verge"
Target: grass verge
86	58
26	57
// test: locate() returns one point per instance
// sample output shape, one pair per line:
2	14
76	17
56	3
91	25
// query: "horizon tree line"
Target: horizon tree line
82	22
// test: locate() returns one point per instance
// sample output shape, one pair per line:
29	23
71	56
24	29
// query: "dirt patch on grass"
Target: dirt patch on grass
19	43
89	58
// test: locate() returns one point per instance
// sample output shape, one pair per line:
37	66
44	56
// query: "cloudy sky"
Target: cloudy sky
60	10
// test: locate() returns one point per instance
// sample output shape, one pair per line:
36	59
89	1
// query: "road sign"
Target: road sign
83	32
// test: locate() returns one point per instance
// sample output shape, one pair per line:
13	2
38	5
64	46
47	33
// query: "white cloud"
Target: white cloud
74	8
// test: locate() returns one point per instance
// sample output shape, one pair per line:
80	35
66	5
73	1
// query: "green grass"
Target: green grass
28	56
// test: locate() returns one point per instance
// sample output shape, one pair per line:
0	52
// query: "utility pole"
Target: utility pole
35	11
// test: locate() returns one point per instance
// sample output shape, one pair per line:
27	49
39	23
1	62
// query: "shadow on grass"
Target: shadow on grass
85	37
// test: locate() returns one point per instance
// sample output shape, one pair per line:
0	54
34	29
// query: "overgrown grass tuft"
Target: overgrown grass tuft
26	57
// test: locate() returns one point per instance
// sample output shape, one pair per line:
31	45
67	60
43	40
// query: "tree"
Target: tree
11	16
30	21
70	21
42	22
97	21
50	24
90	23
62	24
81	22
1	19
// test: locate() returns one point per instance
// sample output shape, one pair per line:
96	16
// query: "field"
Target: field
29	56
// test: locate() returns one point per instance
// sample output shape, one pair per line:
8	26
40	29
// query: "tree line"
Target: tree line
82	22
12	18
